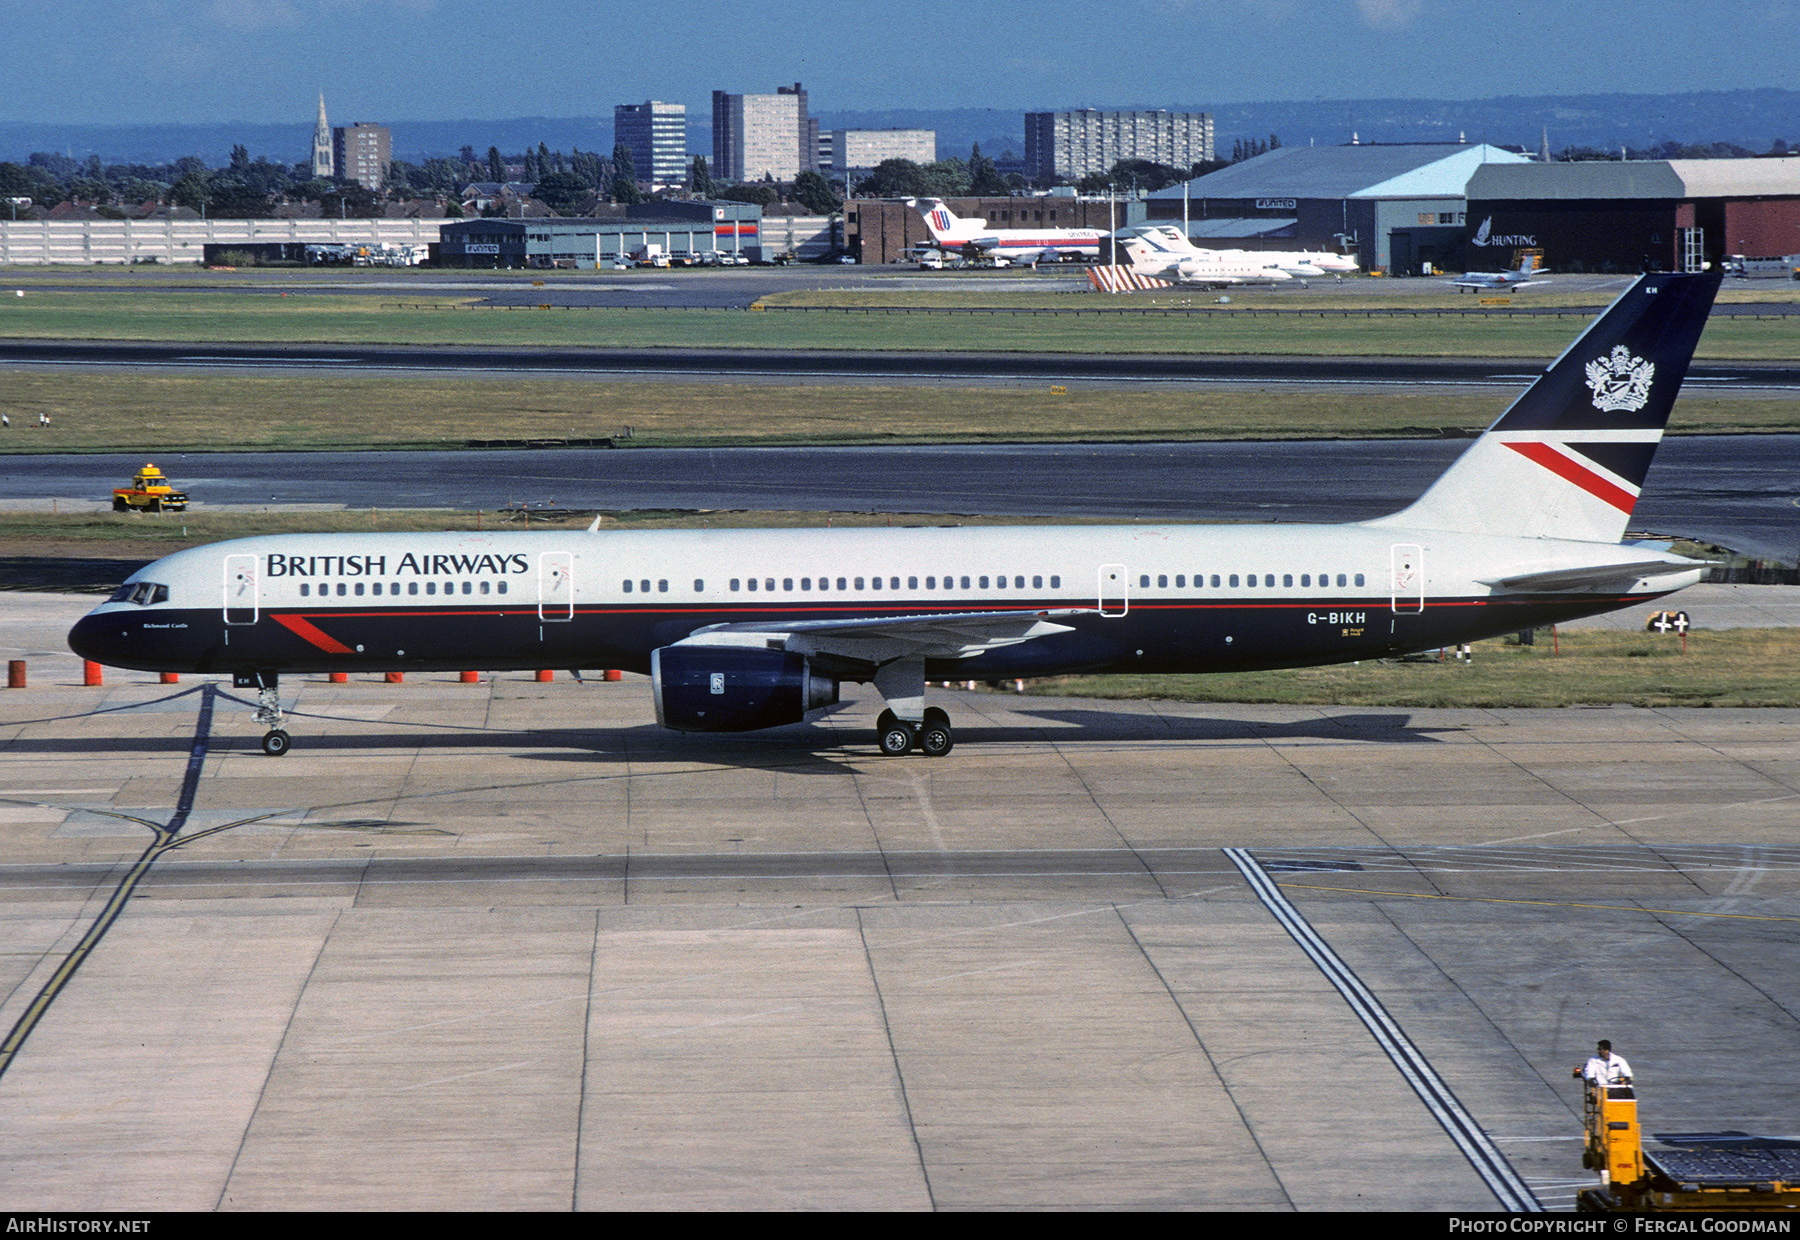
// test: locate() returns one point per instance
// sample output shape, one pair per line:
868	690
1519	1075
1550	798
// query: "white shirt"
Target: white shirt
1612	1070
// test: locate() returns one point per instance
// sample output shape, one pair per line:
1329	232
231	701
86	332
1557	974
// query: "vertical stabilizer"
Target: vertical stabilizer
942	223
1568	459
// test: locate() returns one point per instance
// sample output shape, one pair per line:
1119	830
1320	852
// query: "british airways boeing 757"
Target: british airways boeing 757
746	629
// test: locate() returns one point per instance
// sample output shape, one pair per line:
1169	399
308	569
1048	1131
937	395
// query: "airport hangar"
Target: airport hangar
1394	206
684	231
1635	215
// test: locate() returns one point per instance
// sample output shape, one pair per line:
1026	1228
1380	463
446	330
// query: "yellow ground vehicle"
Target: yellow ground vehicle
1683	1171
149	492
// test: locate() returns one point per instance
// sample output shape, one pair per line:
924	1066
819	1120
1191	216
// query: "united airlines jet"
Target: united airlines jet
746	629
951	233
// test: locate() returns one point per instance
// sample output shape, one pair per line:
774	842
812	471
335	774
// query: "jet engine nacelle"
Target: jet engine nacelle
703	688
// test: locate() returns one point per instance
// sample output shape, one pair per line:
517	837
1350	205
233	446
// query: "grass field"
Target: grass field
138	314
1422	296
163	412
1726	667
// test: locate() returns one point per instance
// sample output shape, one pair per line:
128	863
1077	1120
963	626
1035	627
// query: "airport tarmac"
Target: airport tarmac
510	946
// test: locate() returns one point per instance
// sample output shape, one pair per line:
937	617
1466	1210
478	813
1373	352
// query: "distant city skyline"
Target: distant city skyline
265	61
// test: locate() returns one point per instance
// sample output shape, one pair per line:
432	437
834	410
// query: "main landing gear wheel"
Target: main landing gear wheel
893	736
932	737
276	743
935	737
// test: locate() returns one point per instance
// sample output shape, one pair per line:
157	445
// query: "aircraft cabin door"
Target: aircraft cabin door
556	586
1408	581
241	589
1115	590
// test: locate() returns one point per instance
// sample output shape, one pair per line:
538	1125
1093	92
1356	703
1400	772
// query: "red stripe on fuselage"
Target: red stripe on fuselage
1571	471
309	632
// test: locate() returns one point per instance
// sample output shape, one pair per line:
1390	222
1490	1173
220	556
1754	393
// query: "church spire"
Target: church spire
323	165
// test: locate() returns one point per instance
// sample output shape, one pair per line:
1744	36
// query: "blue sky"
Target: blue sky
144	61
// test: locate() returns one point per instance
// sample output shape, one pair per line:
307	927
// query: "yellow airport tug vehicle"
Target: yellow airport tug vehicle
1709	1172
149	492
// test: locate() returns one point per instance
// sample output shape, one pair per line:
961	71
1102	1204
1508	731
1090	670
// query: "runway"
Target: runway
862	365
510	946
1740	491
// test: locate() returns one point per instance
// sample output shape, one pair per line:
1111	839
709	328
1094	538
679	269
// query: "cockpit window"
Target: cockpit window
143	593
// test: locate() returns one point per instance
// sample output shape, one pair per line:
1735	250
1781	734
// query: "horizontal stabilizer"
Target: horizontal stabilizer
1598	574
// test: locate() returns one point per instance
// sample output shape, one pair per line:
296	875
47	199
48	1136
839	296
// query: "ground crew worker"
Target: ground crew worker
1604	1067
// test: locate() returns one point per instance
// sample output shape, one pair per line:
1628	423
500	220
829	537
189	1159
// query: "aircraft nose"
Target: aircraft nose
97	637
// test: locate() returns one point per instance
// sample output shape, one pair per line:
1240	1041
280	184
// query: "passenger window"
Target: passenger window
1056	583
893	583
1340	579
965	582
1287	579
359	589
875	583
501	587
769	584
305	589
751	582
412	587
1144	580
628	585
431	587
1162	581
806	583
484	587
644	585
1018	583
342	589
468	588
1037	582
662	586
840	583
699	585
1359	579
1180	581
1305	580
912	583
1250	580
859	583
734	585
1234	581
984	584
1215	581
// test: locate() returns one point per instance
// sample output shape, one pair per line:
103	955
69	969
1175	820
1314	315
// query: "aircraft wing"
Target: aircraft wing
941	635
1597	574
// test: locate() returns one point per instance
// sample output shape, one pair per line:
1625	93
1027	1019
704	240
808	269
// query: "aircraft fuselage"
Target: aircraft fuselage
1153	599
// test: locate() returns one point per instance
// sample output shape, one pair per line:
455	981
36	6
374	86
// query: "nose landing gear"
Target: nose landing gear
275	741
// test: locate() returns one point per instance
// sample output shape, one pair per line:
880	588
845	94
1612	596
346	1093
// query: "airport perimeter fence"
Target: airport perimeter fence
1165	312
